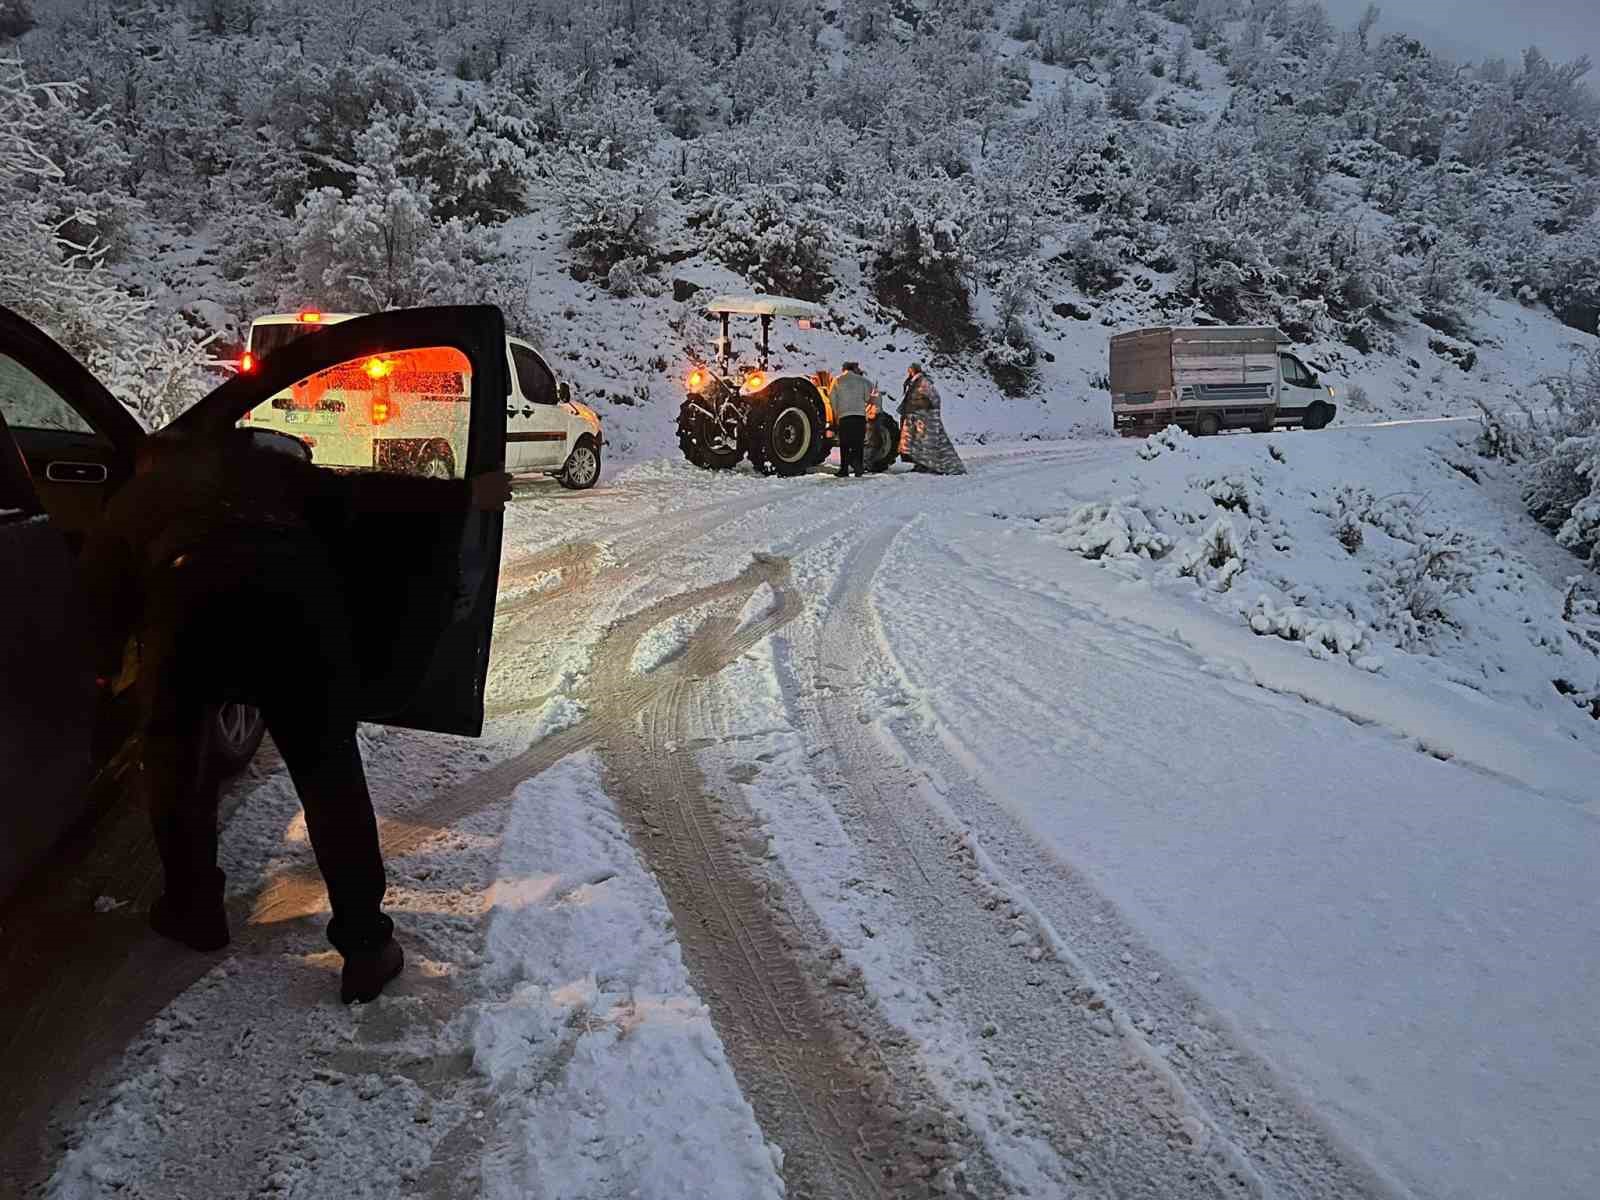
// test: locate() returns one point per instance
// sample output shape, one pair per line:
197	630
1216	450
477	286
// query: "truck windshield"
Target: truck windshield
266	340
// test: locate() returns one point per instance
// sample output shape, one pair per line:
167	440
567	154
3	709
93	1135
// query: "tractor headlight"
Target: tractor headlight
753	382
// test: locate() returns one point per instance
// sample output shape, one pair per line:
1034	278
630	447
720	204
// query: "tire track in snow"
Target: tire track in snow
1264	1137
842	1125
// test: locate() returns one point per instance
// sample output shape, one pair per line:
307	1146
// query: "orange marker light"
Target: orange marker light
377	368
380	411
311	316
696	381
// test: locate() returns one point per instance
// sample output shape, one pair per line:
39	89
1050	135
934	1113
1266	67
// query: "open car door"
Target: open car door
420	586
65	445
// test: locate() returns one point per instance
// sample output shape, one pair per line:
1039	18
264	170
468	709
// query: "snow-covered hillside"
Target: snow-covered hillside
992	188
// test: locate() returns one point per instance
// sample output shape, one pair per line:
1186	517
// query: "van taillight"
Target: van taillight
380	411
247	363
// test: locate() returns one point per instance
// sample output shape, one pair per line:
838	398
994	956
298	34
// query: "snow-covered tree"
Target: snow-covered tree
61	282
16	18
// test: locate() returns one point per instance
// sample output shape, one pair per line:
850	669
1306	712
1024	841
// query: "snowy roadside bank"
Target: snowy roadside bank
1405	939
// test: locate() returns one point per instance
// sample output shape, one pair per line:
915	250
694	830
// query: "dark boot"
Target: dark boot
193	916
367	971
371	957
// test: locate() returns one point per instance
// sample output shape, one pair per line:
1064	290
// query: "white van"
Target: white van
409	411
1210	378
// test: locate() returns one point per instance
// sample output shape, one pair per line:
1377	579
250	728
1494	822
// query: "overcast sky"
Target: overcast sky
1475	29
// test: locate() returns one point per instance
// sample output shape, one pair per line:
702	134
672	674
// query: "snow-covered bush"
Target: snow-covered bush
1115	529
1497	437
1129	90
631	277
1234	492
779	243
1214	558
610	213
1414	590
1324	637
1562	489
1172	438
924	264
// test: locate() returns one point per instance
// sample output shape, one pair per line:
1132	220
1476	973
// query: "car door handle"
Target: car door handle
76	472
527	412
511	412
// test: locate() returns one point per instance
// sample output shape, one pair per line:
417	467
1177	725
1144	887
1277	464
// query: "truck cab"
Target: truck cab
407	413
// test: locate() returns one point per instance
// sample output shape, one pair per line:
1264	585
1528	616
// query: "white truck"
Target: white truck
1209	378
410	411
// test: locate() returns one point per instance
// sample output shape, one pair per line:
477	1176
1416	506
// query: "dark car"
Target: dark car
423	585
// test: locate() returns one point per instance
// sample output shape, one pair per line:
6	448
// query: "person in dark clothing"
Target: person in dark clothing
208	535
850	395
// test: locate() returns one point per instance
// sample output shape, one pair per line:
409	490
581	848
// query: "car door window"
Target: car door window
27	402
1295	374
404	411
537	382
404	392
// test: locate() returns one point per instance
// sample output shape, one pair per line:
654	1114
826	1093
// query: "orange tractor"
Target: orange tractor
784	424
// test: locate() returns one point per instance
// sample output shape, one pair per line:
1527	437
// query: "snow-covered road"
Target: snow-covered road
865	839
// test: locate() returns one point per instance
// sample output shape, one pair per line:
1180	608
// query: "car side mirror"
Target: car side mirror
564	392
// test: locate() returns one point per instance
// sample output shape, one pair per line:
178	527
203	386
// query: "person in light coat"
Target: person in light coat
849	397
923	440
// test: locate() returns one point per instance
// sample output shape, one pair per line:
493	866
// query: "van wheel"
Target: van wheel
1318	415
436	462
583	466
1206	424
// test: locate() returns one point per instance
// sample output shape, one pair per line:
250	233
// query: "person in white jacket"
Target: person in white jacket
849	397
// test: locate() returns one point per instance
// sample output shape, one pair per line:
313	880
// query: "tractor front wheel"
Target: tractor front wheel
702	442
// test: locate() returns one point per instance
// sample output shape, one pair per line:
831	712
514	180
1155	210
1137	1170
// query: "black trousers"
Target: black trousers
262	620
852	439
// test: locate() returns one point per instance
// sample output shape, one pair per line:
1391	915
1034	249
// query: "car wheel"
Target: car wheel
1206	424
883	444
583	466
236	733
784	431
702	443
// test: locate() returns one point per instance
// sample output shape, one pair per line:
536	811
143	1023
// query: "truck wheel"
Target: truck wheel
784	429
883	444
582	470
701	443
1206	424
236	733
1318	414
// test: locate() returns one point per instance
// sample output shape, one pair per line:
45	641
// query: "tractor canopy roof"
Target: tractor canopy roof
764	306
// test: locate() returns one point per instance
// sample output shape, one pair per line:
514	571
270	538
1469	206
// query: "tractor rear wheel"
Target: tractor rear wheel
883	444
702	442
784	431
